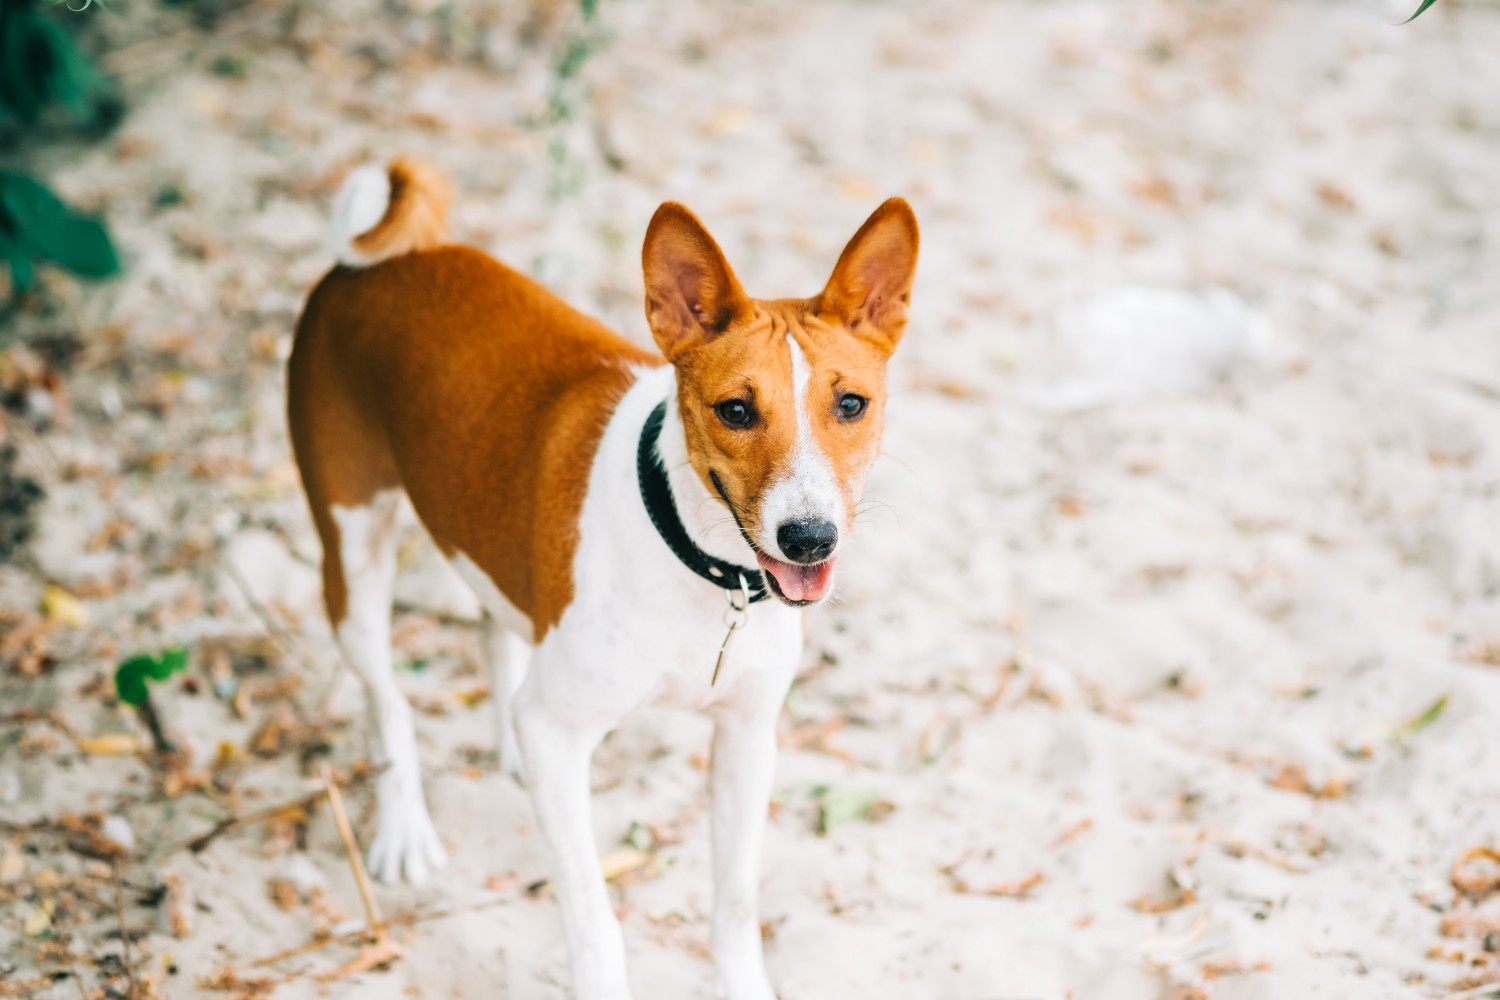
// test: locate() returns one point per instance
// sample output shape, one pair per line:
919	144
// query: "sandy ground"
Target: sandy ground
1126	685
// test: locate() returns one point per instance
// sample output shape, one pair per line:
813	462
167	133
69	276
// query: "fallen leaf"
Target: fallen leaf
1014	889
1476	873
38	920
12	866
112	745
845	805
377	954
623	861
62	607
177	905
1420	722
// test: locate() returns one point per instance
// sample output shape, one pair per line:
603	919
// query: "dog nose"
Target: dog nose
807	541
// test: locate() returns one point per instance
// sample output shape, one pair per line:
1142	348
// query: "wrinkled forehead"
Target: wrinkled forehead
754	358
768	355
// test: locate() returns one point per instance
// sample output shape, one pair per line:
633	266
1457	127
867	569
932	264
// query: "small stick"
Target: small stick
400	919
200	842
125	936
1477	993
356	863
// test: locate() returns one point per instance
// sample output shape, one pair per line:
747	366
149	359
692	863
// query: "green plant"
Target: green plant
1425	5
133	680
37	226
40	67
133	676
566	98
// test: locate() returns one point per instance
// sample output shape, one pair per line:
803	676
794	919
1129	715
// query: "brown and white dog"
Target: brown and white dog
614	512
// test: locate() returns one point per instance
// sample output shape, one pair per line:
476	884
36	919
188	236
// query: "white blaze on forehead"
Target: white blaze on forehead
808	490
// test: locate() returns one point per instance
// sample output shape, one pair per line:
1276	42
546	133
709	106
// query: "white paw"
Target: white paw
406	843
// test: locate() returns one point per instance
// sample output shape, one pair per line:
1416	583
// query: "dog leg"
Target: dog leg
556	757
405	839
509	656
744	763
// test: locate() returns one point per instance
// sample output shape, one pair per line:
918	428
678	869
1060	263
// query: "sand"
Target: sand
1125	683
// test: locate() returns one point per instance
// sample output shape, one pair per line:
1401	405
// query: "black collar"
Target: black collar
656	492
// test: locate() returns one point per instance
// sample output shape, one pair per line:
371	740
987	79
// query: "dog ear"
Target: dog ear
871	284
691	294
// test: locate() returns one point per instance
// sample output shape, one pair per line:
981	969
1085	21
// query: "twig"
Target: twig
1484	992
399	920
200	842
381	949
124	935
356	863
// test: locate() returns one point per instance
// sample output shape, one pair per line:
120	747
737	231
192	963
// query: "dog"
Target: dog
640	529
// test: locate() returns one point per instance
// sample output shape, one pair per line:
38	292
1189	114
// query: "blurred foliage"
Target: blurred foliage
19	496
41	67
567	97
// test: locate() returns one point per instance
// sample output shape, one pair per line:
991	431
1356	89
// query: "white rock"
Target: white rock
1135	342
117	828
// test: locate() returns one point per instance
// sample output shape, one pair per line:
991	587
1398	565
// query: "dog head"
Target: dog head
782	401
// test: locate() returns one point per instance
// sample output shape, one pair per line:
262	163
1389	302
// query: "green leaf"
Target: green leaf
1425	5
172	661
1415	725
640	837
591	8
845	805
131	677
25	65
48	229
15	255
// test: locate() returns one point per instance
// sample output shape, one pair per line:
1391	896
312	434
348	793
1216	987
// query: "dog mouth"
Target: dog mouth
794	583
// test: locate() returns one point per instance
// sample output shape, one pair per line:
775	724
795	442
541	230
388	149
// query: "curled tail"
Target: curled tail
381	214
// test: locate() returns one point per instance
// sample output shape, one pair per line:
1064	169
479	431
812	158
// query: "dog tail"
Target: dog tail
380	214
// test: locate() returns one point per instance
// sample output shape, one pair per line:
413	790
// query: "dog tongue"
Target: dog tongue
799	583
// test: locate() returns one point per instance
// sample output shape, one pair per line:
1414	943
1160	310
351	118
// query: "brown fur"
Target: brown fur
484	396
726	345
475	389
416	217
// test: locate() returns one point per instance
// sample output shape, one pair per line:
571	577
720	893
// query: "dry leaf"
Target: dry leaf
62	607
1160	904
177	905
377	954
1476	873
12	866
1014	889
623	861
112	745
283	893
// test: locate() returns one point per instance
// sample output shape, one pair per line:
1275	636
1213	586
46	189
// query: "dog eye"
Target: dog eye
851	406
735	413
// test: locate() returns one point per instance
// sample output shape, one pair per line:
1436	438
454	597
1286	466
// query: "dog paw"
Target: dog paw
406	844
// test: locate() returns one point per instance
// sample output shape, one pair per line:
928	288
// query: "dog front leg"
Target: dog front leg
556	759
744	764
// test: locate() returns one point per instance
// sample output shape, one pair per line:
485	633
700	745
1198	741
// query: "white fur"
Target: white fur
405	840
507	639
641	630
809	490
360	205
